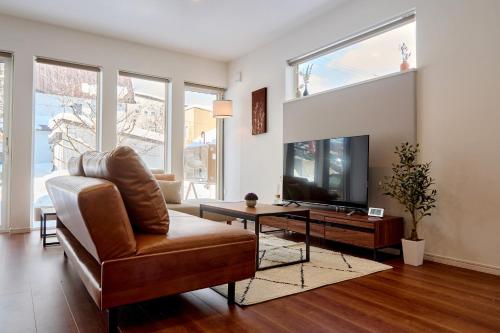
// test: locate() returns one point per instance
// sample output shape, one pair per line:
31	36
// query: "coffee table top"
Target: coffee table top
259	210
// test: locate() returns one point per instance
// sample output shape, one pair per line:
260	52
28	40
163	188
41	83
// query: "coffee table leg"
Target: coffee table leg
257	255
308	231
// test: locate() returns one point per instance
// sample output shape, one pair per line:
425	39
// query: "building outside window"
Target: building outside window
141	118
202	144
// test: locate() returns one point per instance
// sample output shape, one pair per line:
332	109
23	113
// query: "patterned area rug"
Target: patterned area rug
326	267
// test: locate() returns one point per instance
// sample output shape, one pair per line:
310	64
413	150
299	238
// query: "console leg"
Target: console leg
231	289
112	320
375	254
257	251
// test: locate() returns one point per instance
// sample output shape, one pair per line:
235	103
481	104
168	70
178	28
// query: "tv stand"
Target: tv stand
371	233
292	203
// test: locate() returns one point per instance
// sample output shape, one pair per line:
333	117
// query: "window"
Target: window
141	118
366	56
66	119
202	144
5	74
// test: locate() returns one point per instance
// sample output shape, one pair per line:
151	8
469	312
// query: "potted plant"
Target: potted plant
251	199
412	186
405	55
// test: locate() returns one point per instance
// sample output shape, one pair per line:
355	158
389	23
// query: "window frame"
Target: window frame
373	31
167	81
8	59
219	92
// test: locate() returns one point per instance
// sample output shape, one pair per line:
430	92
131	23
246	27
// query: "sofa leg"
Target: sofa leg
231	288
112	320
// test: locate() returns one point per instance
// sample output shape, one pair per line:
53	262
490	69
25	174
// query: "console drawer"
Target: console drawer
357	223
317	230
273	221
348	236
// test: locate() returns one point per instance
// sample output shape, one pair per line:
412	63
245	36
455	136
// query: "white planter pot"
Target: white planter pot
413	252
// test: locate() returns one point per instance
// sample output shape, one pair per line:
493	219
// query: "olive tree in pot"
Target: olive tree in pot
412	186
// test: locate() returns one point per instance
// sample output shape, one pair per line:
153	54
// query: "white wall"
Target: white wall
457	115
27	39
458	126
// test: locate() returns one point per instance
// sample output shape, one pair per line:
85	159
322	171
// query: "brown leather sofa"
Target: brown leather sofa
118	261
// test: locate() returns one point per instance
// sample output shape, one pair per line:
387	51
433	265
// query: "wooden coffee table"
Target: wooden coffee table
240	210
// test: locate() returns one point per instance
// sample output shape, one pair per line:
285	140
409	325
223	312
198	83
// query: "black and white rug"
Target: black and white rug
325	267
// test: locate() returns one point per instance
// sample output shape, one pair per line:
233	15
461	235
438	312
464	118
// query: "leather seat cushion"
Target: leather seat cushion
190	232
139	189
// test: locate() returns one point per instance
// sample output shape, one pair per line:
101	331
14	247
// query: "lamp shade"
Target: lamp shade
223	109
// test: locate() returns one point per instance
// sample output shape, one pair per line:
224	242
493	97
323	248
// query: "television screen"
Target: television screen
330	172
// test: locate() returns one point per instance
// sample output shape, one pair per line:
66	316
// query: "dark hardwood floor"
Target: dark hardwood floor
39	292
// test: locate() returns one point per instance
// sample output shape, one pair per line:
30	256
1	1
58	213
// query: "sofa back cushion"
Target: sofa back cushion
140	192
75	166
93	211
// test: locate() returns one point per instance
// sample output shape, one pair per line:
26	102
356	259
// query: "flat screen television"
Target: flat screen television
327	172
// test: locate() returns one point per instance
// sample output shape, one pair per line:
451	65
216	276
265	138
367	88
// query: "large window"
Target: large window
66	119
202	144
141	120
5	74
366	56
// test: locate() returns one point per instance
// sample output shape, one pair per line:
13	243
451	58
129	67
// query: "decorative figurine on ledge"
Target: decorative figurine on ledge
251	199
405	55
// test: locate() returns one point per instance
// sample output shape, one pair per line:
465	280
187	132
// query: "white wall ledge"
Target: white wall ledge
383	77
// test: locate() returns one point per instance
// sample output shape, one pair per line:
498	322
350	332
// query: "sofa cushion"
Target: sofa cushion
164	176
190	232
75	166
171	191
139	189
184	207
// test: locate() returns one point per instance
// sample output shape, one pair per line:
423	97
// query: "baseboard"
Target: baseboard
463	263
20	230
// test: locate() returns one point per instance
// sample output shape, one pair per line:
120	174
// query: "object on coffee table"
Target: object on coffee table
251	199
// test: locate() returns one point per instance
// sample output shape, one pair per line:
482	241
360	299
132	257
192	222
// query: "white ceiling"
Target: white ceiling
218	29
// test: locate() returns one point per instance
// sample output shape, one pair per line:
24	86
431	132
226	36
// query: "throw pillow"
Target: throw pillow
171	191
164	176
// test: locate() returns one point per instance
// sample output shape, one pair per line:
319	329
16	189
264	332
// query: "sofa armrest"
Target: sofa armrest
139	278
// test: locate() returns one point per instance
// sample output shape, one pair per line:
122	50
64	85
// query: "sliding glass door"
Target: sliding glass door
5	75
66	120
202	144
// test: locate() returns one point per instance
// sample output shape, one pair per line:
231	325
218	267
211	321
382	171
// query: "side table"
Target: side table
44	213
